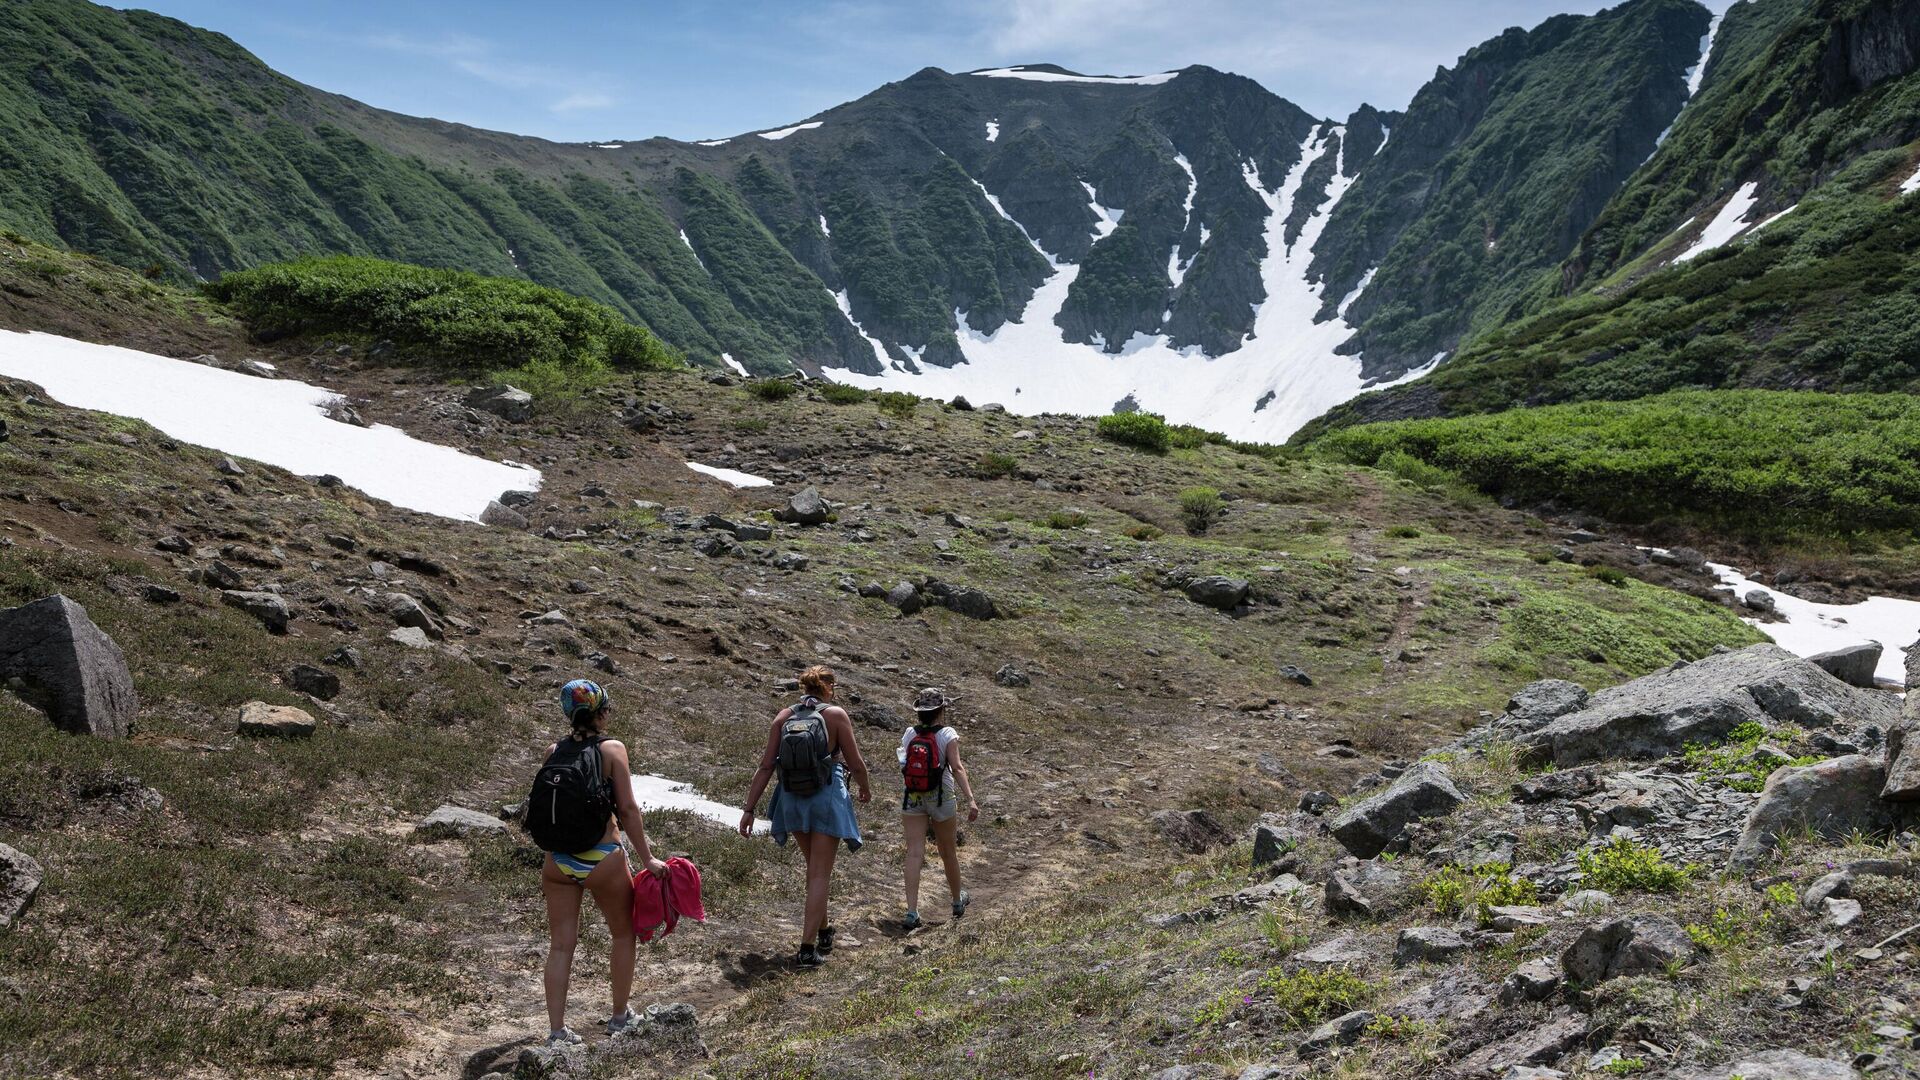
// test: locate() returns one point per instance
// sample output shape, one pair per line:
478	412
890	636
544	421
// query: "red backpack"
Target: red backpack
923	766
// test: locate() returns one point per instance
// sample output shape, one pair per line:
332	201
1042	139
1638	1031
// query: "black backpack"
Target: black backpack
805	767
571	800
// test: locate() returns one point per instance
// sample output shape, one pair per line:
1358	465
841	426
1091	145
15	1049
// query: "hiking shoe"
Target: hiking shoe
911	921
809	957
625	1021
564	1037
960	903
826	941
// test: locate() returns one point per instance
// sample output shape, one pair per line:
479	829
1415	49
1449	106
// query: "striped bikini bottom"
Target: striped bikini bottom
579	866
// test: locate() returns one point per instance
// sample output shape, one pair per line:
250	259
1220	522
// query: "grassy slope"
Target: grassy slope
275	919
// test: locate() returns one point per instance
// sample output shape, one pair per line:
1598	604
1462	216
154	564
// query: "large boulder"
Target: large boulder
1629	945
53	655
1853	665
267	607
1770	1065
20	878
1832	798
1426	790
509	403
1539	702
805	508
1224	593
448	820
500	515
1192	831
1903	761
261	720
1701	702
962	600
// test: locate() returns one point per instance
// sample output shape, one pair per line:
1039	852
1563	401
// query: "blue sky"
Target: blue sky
693	69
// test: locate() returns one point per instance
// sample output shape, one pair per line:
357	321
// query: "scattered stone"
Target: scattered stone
906	598
1294	675
1587	901
1683	558
1560	785
1536	1046
1222	593
404	610
54	657
1362	891
1853	665
963	600
1012	677
1548	699
173	544
1770	1065
1758	600
1344	950
502	516
506	402
267	607
261	720
1630	945
790	560
805	508
1426	790
1432	944
1842	913
1340	1031
20	878
1535	980
1830	798
411	636
319	682
1272	842
159	594
1582	536
1319	802
230	467
1903	764
345	656
449	821
1193	831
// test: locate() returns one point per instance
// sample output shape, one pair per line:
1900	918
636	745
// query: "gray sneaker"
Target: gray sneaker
960	903
911	921
623	1022
564	1037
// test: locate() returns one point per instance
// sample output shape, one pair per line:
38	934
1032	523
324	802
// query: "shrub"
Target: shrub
996	466
1200	507
1452	890
1064	519
896	402
1609	575
1312	996
1622	865
842	394
1188	437
454	317
1403	532
773	389
1144	431
1143	533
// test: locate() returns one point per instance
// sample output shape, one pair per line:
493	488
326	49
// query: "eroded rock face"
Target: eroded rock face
272	611
1853	665
1548	699
1192	831
1832	797
54	656
1700	703
20	877
1771	1065
1424	791
1629	945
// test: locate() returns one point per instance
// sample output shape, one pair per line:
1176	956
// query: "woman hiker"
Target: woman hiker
930	760
811	746
581	799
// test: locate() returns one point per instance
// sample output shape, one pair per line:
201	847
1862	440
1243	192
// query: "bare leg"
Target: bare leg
614	893
563	932
819	877
916	830
945	836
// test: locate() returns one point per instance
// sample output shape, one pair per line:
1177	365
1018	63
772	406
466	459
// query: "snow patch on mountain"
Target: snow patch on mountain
713	142
1911	184
1698	72
1359	287
1726	225
696	255
280	422
824	230
993	131
846	308
1068	77
786	131
730	476
727	359
1809	628
1285	374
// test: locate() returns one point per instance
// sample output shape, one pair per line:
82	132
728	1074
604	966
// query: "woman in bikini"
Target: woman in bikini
602	871
819	821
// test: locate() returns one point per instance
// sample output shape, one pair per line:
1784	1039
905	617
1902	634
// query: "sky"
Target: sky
588	70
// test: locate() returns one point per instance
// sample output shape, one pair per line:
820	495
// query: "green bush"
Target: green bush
896	402
1064	519
1624	866
773	389
1402	532
1312	996
1200	507
1188	437
1144	431
1608	575
497	325
995	466
842	394
1144	532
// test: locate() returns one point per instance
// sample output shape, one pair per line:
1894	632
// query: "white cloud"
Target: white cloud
581	101
481	59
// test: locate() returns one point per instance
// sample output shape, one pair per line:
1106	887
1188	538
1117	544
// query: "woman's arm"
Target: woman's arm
765	775
842	727
625	807
966	785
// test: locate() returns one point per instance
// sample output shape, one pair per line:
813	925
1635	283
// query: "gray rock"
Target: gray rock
791	561
1012	677
1842	913
1535	980
1192	831
805	508
404	610
1548	699
1536	1046
411	636
1758	600
261	720
267	607
906	598
506	402
159	594
20	877
1426	790
1587	901
1341	951
549	1062
1629	945
1770	1065
1683	558
1223	593
520	500
1339	1031
1296	676
502	516
1365	891
1831	798
1577	783
1284	887
1271	842
1345	898
1318	802
1432	944
345	656
972	603
319	682
1700	703
1853	665
230	467
1903	759
53	655
448	821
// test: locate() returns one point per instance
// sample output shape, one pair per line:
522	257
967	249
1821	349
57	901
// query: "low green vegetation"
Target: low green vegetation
1637	628
1621	865
1200	507
842	394
773	389
1453	891
542	338
1143	431
1063	520
1756	461
896	403
1740	763
995	466
1308	997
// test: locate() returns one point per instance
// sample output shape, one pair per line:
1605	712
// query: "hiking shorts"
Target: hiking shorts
932	805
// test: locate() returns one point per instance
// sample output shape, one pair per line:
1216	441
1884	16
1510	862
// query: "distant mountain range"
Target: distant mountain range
1185	242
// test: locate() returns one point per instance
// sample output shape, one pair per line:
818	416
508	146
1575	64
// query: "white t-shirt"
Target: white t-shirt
943	738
